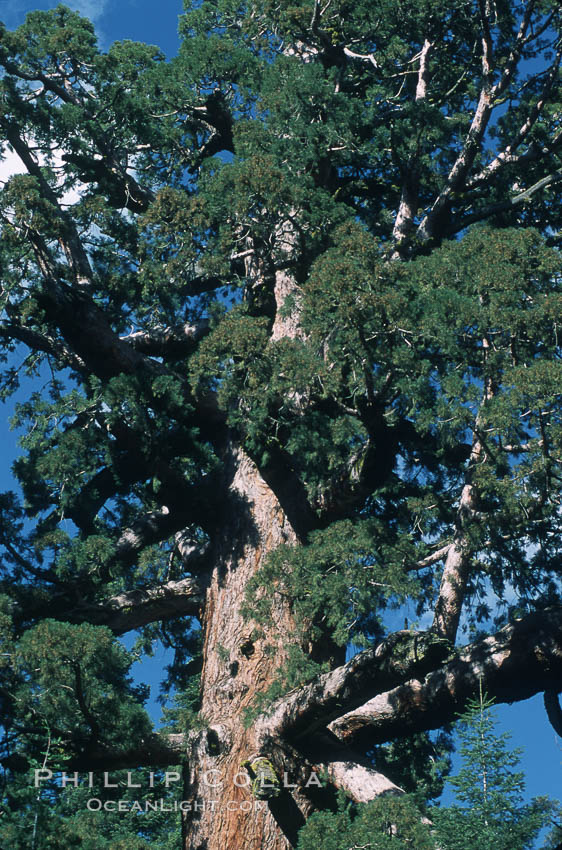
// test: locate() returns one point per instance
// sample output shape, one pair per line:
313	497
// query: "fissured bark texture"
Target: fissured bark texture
237	666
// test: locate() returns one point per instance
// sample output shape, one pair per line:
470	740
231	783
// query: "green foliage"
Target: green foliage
492	814
297	669
74	684
183	713
340	583
265	783
390	822
420	764
174	216
230	360
554	837
52	816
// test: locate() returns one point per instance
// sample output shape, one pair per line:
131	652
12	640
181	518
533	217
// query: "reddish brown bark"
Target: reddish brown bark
237	667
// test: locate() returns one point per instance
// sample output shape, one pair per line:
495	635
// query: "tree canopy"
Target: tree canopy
288	307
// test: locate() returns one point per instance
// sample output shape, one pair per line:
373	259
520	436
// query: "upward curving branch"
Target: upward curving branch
126	611
490	93
153	751
509	155
407	208
155	526
447	611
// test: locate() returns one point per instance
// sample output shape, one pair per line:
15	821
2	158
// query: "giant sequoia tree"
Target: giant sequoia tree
290	308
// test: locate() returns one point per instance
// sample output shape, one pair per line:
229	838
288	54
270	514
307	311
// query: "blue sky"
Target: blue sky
138	20
156	23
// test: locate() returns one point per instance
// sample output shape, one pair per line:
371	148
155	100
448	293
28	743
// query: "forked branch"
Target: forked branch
532	644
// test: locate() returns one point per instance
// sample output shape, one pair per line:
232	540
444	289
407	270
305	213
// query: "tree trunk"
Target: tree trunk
237	666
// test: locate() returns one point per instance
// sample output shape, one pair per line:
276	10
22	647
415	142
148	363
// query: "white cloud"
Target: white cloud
11	164
92	9
13	12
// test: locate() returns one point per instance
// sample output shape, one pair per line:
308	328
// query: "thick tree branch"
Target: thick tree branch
83	324
104	484
125	611
410	184
357	779
436	694
485	212
455	575
121	188
81	699
94	347
163	342
41	342
554	710
370	466
130	463
136	608
154	751
347	770
151	528
216	117
489	93
201	284
487	44
532	644
371	671
433	558
192	503
508	155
